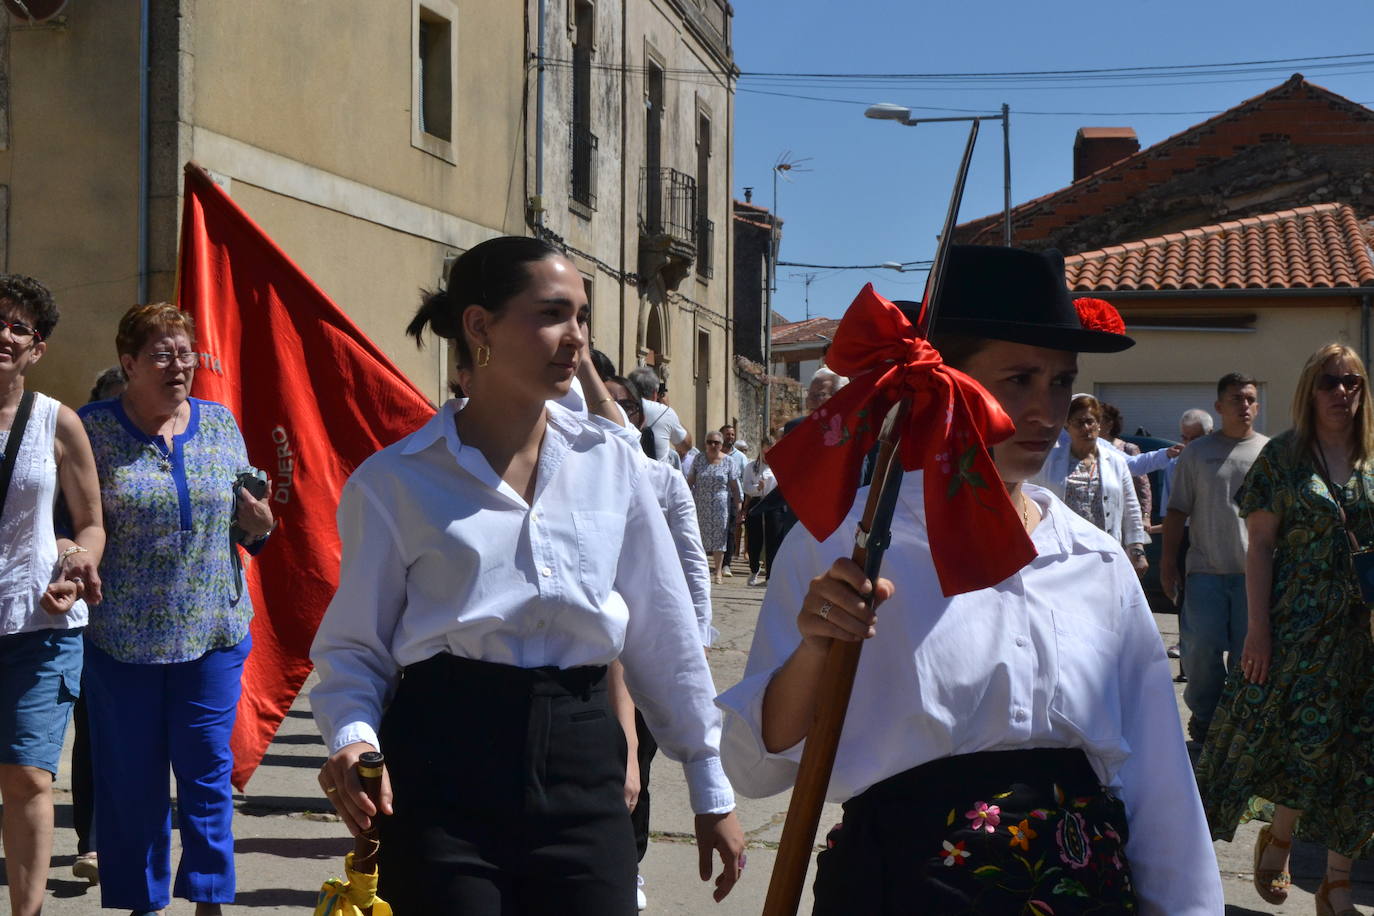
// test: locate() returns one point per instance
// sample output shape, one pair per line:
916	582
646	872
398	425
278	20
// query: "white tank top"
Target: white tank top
28	546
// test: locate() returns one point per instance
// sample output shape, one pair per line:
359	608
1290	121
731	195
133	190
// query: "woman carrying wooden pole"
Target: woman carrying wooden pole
1009	748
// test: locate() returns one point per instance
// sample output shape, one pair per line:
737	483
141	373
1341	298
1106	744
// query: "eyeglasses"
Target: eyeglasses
1350	381
164	358
1084	422
20	331
711	442
630	405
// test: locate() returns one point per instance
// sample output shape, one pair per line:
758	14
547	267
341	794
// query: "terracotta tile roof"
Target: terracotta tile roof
1320	247
1297	108
814	331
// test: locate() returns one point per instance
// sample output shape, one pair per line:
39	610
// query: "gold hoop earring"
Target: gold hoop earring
483	356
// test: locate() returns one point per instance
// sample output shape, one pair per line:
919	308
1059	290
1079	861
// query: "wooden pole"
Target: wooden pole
837	680
842	661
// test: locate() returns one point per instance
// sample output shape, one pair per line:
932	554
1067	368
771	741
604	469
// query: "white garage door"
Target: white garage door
1157	406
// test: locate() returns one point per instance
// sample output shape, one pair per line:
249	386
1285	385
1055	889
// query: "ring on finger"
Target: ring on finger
331	790
824	612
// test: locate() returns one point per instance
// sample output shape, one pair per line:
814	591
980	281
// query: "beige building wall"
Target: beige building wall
309	109
1274	353
69	179
305	110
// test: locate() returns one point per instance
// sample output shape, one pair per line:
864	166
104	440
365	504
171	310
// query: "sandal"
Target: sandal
1324	902
1271	883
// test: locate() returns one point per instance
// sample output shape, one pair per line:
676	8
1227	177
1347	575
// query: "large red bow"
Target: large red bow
976	536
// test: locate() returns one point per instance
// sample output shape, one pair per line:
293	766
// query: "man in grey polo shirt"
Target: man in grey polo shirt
1202	495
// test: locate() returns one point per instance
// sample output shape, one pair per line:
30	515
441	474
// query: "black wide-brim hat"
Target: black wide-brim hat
1016	295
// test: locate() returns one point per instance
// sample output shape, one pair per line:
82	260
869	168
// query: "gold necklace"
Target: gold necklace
1025	511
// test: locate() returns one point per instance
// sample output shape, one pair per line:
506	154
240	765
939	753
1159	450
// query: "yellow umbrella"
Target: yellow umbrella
356	893
353	895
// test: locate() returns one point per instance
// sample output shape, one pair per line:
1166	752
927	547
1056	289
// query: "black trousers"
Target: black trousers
508	792
83	779
648	747
763	528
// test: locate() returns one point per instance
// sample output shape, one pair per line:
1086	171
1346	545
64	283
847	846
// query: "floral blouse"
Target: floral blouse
167	573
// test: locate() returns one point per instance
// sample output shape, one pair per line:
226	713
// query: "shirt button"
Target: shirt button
539	625
546	572
1020	715
1022	642
534	516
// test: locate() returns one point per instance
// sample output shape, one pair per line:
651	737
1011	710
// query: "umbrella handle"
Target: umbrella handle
367	845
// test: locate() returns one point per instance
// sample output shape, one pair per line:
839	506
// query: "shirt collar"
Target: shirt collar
1053	537
562	421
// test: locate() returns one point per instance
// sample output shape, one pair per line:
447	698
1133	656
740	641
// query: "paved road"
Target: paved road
287	843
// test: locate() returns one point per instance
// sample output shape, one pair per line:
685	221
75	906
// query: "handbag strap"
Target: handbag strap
1335	493
21	420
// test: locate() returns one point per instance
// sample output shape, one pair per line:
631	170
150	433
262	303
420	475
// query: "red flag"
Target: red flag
314	398
976	535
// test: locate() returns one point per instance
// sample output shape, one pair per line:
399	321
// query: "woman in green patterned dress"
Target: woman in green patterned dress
1295	725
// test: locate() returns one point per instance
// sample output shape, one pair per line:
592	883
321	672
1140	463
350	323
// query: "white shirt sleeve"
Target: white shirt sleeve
1148	462
1132	524
352	647
681	513
753	770
665	666
1173	863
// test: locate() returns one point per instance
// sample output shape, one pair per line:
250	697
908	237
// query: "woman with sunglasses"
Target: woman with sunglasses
1294	724
715	482
495	563
1095	482
165	655
1013	749
43	581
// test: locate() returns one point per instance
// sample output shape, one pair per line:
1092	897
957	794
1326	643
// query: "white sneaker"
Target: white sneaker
755	580
726	571
641	902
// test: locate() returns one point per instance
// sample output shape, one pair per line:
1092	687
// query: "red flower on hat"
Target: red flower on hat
1099	315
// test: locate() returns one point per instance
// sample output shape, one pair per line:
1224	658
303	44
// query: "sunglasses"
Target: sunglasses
20	331
711	442
1350	381
630	405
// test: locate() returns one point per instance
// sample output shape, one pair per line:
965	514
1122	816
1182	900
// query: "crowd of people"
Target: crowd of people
548	543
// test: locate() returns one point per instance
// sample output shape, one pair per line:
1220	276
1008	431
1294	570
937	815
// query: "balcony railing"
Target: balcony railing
584	156
668	205
706	240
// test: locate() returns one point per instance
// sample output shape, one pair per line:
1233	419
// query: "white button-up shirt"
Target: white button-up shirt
441	555
1064	653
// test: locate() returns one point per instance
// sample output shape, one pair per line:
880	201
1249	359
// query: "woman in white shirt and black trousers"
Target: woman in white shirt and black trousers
482	594
1014	749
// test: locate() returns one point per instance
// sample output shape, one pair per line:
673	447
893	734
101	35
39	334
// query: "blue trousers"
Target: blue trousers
145	719
1214	622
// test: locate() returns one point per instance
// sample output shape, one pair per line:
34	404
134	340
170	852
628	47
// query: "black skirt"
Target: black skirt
508	788
1000	832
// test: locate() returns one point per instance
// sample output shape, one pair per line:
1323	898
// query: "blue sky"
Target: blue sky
877	191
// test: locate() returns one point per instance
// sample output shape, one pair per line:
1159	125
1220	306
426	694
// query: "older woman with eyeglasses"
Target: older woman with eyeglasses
165	654
715	483
1095	482
1293	726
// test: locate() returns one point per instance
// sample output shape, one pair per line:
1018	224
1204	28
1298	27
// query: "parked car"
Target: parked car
1159	602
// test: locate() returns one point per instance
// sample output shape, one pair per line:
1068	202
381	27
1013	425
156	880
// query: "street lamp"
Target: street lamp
886	111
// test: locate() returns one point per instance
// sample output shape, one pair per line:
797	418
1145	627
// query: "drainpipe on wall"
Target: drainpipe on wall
538	207
144	153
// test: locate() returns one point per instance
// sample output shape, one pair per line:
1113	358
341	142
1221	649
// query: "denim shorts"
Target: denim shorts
40	679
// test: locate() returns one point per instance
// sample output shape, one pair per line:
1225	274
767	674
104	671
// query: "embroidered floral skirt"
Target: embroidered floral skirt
1006	832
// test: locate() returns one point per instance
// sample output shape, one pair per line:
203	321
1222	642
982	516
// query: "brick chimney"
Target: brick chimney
1098	147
